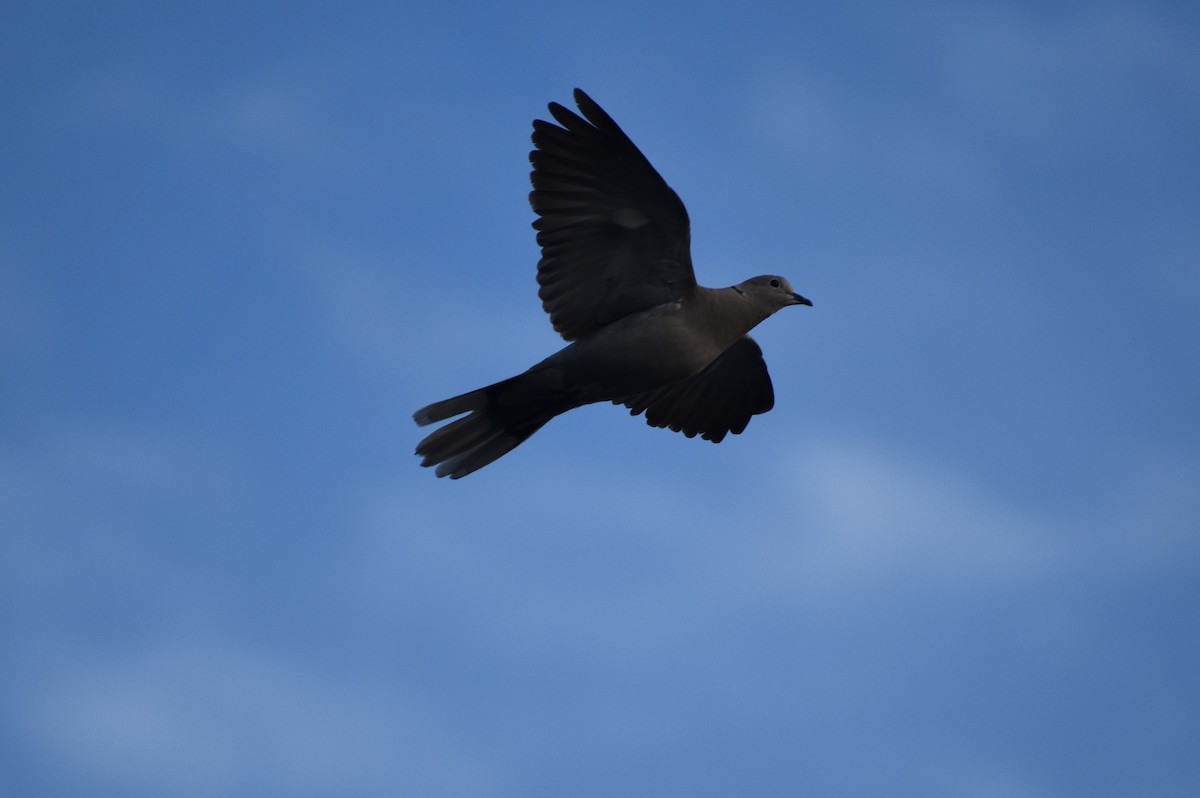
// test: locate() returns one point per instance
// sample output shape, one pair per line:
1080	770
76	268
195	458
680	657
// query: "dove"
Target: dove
616	277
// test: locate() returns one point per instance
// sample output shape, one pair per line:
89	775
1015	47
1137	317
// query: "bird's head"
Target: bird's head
771	292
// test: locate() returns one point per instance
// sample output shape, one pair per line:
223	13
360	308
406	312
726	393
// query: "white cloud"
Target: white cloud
203	716
172	701
870	519
880	516
839	521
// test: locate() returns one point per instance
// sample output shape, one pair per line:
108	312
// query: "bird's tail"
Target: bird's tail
500	418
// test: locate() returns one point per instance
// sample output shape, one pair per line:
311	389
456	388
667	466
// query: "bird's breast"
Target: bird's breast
638	353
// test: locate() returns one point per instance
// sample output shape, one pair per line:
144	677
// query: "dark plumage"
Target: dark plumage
616	278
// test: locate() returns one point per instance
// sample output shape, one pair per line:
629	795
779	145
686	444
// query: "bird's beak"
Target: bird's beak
799	300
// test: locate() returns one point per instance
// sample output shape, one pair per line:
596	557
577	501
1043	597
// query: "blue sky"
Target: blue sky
239	245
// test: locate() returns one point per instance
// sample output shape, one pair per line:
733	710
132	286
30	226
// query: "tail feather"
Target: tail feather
487	451
455	438
454	406
501	417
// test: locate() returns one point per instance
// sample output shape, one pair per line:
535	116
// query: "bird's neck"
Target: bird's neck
729	313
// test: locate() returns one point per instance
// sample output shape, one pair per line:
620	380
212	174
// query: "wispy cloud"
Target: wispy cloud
1055	78
128	670
275	116
879	516
279	118
878	519
397	313
201	715
83	499
840	522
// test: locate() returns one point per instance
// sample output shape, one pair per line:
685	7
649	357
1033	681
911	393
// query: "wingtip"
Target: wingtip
584	102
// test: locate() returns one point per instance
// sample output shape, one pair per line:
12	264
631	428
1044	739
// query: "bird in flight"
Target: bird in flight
616	278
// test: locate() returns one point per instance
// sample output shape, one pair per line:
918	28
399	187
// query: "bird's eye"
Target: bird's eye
774	283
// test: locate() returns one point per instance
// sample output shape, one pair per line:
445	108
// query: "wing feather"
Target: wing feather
719	400
614	236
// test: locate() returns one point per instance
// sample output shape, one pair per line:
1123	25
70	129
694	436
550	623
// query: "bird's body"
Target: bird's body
617	280
617	361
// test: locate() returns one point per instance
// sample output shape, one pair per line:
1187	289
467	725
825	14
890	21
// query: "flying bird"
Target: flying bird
616	278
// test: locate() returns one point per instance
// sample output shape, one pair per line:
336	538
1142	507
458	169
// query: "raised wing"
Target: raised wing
614	236
719	400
